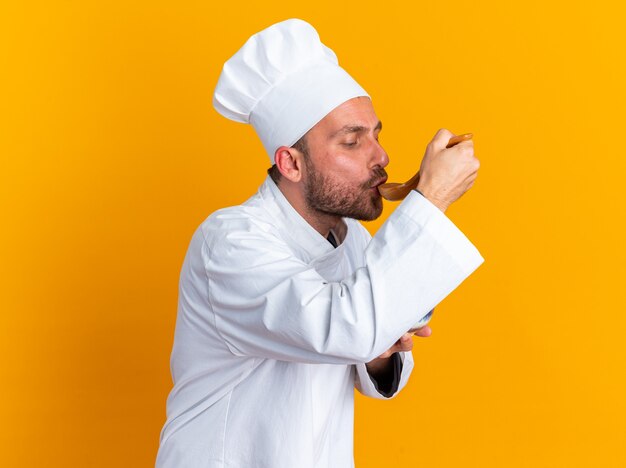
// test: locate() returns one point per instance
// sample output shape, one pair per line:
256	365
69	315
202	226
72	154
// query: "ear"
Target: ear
289	162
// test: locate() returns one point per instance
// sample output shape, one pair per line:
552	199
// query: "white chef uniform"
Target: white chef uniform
274	327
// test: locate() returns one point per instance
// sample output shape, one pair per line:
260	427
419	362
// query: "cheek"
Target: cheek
348	167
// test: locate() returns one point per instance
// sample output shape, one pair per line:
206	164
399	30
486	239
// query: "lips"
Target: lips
380	182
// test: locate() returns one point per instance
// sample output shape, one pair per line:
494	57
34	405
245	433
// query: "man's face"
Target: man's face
345	162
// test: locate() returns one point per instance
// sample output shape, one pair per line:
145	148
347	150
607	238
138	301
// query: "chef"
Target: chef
286	303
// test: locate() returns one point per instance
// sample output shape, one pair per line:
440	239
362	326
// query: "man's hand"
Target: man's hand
378	367
447	173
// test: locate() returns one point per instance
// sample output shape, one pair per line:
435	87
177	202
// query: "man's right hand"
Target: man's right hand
446	174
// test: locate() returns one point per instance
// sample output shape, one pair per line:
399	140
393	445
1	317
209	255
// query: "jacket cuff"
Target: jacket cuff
430	218
371	387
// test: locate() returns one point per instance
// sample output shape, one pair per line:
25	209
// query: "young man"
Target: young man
286	303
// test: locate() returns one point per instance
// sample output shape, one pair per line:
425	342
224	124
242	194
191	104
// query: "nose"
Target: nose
380	157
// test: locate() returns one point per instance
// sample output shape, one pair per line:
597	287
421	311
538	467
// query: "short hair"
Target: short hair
301	146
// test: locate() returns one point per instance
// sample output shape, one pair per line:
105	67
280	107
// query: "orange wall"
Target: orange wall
111	155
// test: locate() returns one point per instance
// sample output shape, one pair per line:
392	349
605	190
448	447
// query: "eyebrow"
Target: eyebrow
347	129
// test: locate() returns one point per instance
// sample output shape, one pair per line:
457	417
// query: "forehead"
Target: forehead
356	112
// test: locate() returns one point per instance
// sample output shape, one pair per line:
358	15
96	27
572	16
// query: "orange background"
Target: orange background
111	156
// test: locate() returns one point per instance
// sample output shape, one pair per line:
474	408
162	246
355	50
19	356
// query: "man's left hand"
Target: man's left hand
405	343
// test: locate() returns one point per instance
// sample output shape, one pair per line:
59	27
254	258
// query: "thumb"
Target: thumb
441	139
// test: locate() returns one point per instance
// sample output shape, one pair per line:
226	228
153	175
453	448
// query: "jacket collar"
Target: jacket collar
295	226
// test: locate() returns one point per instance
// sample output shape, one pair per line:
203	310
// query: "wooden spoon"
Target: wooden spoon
395	191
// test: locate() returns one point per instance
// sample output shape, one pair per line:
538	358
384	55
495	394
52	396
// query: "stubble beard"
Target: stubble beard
336	198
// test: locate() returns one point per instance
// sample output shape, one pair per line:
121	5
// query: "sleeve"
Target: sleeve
265	302
368	386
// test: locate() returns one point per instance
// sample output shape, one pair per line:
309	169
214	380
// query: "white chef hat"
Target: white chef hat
283	81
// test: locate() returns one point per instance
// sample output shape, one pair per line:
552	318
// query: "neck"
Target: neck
321	222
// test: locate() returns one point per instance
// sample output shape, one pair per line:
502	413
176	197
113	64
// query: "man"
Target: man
286	303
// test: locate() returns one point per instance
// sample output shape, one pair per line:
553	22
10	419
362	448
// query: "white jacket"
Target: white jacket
275	326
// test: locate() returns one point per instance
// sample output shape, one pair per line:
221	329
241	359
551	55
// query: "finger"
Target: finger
424	331
464	150
406	342
406	346
464	146
441	139
398	349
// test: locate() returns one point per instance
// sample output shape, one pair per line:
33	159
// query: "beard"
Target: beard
329	196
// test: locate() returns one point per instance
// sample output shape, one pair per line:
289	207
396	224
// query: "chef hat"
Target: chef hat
283	81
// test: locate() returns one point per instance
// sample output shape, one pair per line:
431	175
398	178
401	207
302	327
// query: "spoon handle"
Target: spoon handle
458	139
